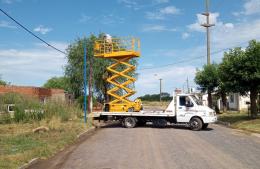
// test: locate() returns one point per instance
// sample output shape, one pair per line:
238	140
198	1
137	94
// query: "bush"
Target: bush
28	109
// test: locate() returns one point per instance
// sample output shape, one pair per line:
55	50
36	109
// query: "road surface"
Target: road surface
169	148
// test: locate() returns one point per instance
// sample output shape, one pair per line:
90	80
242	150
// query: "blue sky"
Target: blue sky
169	30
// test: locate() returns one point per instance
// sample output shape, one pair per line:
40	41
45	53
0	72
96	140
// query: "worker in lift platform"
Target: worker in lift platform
108	43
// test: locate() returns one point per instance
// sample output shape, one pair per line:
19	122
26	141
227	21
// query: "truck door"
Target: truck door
181	108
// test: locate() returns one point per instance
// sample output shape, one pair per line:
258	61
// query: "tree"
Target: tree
241	72
156	97
2	82
57	83
208	80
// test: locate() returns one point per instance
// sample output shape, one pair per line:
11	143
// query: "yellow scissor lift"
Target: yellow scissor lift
120	50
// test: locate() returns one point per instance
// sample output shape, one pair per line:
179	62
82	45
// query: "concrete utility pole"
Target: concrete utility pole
207	25
160	90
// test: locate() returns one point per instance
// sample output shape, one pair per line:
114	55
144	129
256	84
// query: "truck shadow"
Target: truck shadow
182	127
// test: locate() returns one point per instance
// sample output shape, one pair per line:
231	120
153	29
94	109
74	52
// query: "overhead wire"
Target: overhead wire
31	33
188	59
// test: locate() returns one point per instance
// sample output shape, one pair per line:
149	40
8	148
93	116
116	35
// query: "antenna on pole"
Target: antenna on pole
207	25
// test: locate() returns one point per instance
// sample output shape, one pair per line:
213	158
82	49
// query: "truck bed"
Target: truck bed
141	113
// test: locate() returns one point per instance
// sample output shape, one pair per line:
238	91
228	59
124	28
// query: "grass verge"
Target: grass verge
18	143
241	121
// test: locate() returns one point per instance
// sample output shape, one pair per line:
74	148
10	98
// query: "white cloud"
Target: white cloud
41	29
172	10
201	19
177	74
108	19
163	13
157	28
252	7
5	24
32	66
161	1
9	1
129	4
185	35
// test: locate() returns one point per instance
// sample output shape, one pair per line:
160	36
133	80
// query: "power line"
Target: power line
30	32
190	59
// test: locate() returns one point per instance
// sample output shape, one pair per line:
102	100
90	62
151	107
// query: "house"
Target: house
236	101
43	94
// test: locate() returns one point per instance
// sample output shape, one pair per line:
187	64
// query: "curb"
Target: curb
84	132
227	124
31	162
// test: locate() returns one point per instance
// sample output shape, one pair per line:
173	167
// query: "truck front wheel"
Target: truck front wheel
129	122
196	124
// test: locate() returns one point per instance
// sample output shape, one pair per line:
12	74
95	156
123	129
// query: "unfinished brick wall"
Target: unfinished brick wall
40	93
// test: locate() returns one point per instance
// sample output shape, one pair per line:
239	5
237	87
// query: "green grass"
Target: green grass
18	144
241	121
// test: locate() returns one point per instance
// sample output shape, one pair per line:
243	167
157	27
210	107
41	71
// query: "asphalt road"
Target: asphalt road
169	148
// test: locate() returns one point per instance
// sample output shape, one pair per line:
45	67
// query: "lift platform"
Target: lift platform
121	51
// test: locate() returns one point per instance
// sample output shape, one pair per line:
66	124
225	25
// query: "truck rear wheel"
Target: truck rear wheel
129	122
159	123
196	124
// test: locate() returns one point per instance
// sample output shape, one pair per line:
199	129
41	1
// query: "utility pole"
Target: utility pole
160	90
207	25
85	81
90	92
188	90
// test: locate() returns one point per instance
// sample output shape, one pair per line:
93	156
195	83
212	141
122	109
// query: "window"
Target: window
231	98
182	100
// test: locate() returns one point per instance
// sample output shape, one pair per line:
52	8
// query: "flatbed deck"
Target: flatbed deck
141	113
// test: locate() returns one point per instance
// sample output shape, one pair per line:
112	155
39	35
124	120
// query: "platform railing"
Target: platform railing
116	45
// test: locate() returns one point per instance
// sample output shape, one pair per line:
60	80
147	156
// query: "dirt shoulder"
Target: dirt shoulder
19	144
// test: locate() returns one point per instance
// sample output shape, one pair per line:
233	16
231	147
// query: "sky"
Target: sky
173	44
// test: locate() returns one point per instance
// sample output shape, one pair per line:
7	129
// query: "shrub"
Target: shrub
28	109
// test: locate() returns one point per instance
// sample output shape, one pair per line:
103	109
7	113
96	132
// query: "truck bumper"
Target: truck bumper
212	119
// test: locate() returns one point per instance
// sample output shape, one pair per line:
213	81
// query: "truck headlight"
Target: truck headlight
211	113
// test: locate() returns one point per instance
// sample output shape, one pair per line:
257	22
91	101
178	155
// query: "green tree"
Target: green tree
241	72
2	82
57	83
208	80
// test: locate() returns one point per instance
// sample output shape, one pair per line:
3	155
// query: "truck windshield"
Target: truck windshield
196	100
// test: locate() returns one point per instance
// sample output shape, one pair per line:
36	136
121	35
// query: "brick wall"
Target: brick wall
38	92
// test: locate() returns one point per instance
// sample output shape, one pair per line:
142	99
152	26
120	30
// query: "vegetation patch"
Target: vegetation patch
22	137
19	144
241	121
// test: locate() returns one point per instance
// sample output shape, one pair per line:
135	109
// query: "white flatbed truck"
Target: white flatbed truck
183	109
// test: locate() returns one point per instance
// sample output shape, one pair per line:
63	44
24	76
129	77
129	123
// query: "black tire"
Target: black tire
196	124
159	123
129	122
205	125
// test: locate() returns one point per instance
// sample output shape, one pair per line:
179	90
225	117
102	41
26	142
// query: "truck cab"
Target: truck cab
189	109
